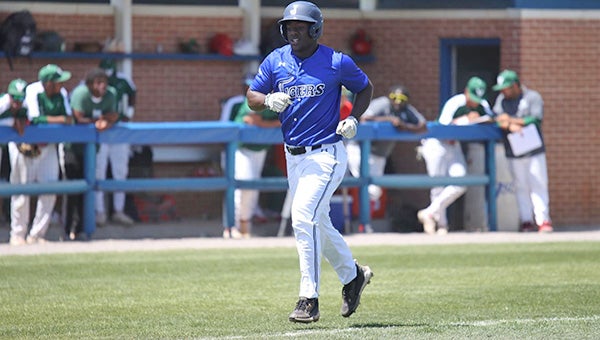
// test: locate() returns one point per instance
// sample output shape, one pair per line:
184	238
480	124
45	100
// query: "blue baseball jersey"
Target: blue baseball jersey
315	86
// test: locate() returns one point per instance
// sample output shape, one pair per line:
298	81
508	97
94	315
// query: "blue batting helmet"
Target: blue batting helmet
303	11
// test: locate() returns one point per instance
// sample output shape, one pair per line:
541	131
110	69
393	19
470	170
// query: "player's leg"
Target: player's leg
377	167
19	204
101	167
538	179
333	160
307	307
519	168
434	154
118	154
47	171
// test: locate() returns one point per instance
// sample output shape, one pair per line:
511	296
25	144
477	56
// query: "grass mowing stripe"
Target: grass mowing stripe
418	292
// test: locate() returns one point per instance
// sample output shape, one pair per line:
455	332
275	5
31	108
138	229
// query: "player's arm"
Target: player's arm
106	121
275	101
62	119
256	100
362	100
130	110
81	118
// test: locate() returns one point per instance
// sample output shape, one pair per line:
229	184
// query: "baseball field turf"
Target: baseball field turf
473	291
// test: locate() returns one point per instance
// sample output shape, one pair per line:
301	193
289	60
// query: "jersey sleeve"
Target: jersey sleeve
77	99
112	99
498	105
353	78
65	96
450	108
263	81
418	116
31	99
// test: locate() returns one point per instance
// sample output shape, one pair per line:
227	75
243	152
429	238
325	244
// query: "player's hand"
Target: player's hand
503	121
347	127
277	101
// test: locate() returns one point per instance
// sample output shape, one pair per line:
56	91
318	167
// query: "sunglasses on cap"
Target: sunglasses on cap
398	97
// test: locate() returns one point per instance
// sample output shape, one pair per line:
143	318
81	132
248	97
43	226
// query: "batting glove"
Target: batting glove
347	127
277	101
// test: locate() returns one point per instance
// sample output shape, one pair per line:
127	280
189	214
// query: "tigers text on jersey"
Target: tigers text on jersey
314	85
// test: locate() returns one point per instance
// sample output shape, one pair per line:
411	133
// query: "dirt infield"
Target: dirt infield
207	235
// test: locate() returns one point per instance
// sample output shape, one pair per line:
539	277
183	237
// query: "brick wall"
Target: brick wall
556	57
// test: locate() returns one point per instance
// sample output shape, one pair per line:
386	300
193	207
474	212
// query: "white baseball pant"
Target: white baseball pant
376	168
248	165
313	177
443	159
118	154
531	185
41	169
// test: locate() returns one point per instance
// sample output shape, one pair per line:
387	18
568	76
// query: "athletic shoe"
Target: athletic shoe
427	220
17	241
442	231
234	233
121	218
35	240
546	227
526	227
352	291
101	219
307	310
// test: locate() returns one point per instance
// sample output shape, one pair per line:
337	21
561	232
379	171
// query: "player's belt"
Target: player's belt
299	150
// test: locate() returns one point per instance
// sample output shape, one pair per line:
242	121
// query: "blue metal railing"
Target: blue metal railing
231	134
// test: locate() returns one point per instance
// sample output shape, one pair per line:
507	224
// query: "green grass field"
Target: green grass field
499	291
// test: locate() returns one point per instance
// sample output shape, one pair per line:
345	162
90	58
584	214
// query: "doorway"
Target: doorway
461	59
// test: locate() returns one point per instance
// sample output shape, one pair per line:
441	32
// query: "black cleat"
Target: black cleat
307	310
352	291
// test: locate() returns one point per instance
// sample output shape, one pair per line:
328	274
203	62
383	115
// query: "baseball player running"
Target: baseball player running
302	82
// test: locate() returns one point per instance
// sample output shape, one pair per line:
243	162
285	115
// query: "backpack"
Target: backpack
17	34
48	41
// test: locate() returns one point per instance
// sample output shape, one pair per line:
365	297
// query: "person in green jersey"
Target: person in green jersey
47	103
92	102
116	154
13	114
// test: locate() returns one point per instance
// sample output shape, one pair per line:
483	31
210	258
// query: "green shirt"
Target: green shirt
243	111
122	87
5	108
82	101
50	106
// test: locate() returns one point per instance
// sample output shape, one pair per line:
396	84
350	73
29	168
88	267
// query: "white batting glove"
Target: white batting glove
277	101
347	127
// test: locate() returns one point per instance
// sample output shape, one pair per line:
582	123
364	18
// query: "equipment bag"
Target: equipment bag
17	35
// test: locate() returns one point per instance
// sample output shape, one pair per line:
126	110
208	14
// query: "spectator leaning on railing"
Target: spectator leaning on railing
92	102
47	103
446	158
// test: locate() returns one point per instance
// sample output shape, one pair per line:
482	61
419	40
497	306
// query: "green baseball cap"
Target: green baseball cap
16	89
476	88
108	64
53	73
505	79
